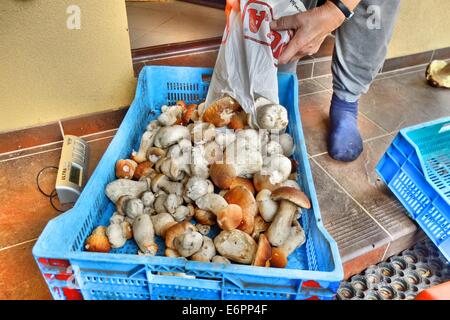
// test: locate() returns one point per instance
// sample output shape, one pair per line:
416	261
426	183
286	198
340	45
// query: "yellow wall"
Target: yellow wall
48	72
422	25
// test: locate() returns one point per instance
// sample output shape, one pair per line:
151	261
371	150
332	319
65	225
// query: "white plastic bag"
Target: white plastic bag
246	67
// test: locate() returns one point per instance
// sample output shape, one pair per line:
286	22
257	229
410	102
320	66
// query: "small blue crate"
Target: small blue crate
313	272
416	167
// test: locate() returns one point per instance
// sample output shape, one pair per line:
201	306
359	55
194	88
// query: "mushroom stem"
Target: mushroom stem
295	239
278	230
144	235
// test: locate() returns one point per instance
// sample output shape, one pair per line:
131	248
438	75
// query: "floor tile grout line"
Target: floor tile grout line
49	150
371	121
56	142
30	148
17	244
311	93
29	155
351	197
61	128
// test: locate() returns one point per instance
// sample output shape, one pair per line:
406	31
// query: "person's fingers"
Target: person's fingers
286	23
294	47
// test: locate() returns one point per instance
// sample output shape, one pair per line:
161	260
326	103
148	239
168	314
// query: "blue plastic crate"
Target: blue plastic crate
416	167
314	270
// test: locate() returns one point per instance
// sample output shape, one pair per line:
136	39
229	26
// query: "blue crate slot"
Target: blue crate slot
313	270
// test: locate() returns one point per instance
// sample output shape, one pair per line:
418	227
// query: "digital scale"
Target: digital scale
72	170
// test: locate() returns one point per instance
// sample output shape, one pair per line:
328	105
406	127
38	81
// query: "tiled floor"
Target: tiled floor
368	224
154	23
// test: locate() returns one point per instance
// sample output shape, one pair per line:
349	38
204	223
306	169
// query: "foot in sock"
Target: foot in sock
344	142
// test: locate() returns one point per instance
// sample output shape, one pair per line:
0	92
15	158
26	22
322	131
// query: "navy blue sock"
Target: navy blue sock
344	142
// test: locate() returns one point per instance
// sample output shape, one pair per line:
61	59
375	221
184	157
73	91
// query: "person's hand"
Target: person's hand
310	30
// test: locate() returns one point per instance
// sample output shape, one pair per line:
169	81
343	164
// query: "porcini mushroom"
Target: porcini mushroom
134	208
272	117
188	243
290	200
267	207
144	235
219	113
147	141
144	169
118	234
242	197
295	239
222	175
162	182
162	222
168	136
121	187
148	198
263	252
170	115
177	230
196	187
229	216
98	241
220	259
438	74
205	217
206	252
125	168
278	168
236	246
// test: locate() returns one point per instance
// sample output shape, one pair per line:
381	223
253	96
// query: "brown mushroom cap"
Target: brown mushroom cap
143	169
188	113
263	252
293	195
238	121
262	182
239	181
98	241
176	230
222	175
278	259
241	196
125	168
205	217
230	217
219	113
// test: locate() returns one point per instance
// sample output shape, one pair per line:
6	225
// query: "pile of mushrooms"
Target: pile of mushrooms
198	168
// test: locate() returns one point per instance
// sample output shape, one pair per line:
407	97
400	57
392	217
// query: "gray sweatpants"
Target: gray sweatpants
360	47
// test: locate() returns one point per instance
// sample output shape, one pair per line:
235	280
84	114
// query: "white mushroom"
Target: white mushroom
170	115
278	168
206	252
220	259
188	243
196	187
161	182
118	234
204	229
144	235
287	143
236	246
272	117
202	132
121	187
199	165
162	222
134	208
181	213
267	207
116	218
213	152
224	137
147	141
172	203
244	154
168	136
160	200
148	198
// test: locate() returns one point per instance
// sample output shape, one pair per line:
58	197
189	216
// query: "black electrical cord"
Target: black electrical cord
52	195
